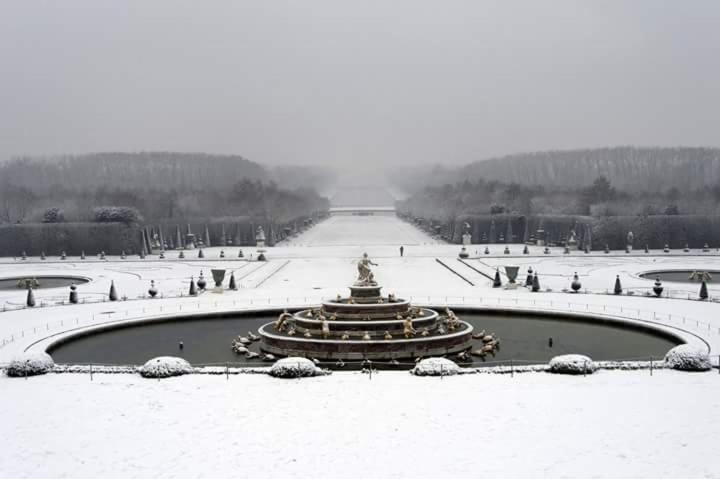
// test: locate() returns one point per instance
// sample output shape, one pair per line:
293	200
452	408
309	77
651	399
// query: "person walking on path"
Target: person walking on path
402	250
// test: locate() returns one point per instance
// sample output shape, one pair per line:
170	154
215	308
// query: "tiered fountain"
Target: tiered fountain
366	325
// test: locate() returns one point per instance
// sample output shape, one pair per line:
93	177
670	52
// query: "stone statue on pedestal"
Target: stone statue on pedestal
365	274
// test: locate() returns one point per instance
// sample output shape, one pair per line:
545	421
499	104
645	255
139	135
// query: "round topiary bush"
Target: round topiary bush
30	364
572	364
688	358
165	367
435	367
295	368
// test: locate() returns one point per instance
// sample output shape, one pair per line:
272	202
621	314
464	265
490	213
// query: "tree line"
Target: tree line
159	185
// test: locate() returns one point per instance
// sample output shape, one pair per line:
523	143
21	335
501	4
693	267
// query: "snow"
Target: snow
30	364
294	367
165	367
227	422
571	364
625	424
688	358
435	367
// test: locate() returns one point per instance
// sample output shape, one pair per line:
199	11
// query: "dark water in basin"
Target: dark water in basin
523	339
680	276
45	282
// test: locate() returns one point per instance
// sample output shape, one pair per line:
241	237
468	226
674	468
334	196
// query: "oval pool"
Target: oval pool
679	275
43	282
524	338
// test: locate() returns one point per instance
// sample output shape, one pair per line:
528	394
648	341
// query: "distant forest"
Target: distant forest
160	185
600	182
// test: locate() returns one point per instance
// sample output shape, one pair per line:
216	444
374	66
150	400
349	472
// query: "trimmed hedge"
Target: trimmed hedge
73	238
654	231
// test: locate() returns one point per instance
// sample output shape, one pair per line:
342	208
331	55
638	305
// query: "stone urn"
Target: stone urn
153	290
575	285
657	287
218	277
512	273
201	283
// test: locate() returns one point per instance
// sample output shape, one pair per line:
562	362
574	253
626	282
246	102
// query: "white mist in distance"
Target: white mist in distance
356	84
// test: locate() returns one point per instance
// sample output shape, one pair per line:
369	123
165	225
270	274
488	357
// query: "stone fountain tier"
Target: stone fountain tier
357	349
365	293
303	323
374	310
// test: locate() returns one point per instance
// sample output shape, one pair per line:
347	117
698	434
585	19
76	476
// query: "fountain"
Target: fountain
366	325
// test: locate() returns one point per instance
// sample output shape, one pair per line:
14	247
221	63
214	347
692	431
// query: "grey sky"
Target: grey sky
367	81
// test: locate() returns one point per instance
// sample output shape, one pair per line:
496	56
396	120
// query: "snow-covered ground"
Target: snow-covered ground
608	425
613	424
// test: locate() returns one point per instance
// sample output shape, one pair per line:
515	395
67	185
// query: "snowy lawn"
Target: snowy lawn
608	425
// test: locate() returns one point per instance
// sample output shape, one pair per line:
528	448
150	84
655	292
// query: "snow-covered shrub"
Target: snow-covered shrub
572	364
435	367
117	214
53	215
165	367
30	364
295	368
688	358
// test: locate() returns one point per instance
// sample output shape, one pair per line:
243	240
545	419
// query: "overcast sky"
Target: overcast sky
367	81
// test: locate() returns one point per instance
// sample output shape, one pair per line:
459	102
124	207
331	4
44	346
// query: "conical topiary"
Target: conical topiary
526	250
112	295
529	278
607	249
496	282
240	254
30	301
535	283
487	250
200	253
618	287
193	290
703	290
181	254
42	255
586	250
507	250
207	237
647	248
82	254
232	284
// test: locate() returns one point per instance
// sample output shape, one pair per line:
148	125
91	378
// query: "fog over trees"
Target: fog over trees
598	182
161	185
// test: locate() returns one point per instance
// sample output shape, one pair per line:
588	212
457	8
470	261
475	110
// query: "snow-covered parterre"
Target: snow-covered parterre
111	416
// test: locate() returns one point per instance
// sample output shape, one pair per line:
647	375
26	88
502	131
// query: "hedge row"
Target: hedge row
654	231
73	238
114	238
